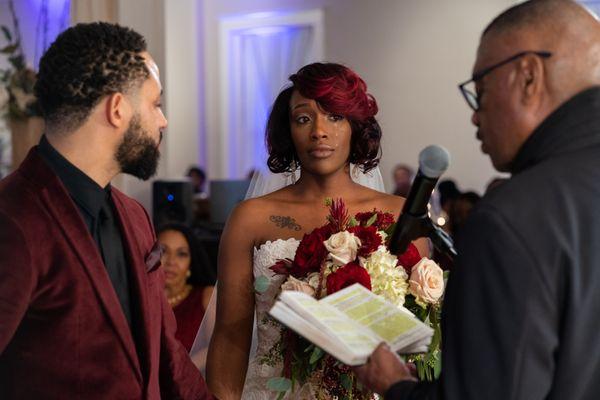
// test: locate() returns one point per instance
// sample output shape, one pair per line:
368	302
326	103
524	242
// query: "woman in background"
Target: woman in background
189	280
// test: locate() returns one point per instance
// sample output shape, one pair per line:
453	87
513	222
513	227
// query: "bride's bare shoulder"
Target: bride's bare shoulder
382	201
256	209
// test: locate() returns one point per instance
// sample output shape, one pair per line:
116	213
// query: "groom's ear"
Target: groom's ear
117	110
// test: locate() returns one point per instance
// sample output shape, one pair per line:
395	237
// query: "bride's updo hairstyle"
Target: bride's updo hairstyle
337	90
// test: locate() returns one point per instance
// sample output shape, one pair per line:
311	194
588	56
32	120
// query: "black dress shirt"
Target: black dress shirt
96	207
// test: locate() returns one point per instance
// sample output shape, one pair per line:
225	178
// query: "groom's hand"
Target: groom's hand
382	370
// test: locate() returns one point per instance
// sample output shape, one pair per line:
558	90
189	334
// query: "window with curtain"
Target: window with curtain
259	60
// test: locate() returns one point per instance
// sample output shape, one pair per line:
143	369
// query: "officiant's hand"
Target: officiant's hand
382	370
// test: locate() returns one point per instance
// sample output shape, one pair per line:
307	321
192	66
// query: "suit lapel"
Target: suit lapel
62	208
138	272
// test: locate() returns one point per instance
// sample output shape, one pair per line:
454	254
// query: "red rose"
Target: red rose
369	239
409	258
311	252
347	275
383	221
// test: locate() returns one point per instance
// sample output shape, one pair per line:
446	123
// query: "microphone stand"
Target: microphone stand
412	227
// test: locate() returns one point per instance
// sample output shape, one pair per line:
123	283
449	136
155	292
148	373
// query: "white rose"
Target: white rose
342	247
298	286
426	282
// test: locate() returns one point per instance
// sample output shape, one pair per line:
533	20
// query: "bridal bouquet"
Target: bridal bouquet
348	250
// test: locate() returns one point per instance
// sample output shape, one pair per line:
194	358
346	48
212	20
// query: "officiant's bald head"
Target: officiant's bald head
545	52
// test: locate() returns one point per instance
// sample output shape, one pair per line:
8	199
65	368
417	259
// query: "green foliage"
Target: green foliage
371	220
279	384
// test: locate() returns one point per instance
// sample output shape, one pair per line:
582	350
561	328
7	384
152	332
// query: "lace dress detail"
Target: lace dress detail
268	333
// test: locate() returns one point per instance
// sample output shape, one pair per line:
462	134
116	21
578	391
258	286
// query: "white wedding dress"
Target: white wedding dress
268	333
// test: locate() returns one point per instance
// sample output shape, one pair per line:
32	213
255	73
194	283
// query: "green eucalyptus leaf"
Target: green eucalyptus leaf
372	220
261	284
346	382
352	222
7	34
316	355
437	368
279	384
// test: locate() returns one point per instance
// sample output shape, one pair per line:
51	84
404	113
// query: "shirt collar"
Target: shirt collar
84	190
573	126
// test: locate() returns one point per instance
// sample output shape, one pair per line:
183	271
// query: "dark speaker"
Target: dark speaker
172	202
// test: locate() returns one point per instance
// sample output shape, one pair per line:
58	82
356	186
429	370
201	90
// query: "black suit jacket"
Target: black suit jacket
522	308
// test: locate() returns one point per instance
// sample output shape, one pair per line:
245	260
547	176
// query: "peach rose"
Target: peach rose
426	282
298	286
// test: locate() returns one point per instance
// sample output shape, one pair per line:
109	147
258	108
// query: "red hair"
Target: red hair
337	89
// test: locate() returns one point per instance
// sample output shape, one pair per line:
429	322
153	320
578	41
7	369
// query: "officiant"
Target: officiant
521	303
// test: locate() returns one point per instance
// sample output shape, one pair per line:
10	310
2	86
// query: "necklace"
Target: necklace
179	297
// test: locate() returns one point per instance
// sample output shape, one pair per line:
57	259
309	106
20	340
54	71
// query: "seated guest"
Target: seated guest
403	176
461	208
189	280
198	179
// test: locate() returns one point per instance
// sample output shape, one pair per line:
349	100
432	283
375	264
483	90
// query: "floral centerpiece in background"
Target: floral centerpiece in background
345	251
18	105
17	100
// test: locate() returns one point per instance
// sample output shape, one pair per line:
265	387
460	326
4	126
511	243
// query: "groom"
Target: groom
522	304
82	310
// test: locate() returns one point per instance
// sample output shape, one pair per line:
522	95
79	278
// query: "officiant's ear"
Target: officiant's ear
118	110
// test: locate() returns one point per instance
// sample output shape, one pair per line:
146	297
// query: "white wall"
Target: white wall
411	53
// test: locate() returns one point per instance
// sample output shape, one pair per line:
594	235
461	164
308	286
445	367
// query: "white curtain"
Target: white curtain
260	62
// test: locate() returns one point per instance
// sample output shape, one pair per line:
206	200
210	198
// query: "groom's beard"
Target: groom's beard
138	153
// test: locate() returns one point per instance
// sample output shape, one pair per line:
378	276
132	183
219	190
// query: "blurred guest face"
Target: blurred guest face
176	258
401	176
321	139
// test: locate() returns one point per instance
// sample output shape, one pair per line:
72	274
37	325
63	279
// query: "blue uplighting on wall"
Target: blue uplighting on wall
260	61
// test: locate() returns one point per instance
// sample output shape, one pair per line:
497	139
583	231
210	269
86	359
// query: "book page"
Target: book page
387	321
358	340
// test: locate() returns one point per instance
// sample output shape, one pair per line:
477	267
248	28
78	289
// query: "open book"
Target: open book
349	324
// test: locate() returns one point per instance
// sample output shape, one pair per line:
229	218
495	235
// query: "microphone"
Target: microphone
413	221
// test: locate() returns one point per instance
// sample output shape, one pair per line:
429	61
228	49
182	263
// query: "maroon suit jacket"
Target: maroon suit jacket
63	334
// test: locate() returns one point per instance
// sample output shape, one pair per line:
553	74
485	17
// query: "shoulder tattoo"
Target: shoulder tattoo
285	222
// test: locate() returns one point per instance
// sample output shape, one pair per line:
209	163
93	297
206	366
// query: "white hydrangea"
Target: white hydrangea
387	279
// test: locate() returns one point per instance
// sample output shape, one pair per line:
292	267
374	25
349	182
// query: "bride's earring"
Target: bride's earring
295	167
354	171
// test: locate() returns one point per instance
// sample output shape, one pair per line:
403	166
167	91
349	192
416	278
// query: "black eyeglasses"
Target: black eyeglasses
470	94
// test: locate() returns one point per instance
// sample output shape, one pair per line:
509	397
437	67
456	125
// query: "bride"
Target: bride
321	125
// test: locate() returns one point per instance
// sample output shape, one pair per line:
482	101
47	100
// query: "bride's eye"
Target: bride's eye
301	119
336	117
